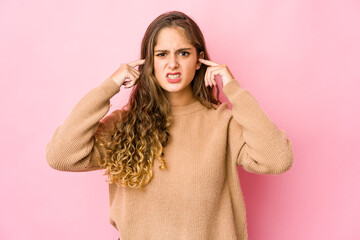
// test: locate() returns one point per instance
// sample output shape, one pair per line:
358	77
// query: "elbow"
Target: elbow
272	162
54	165
283	156
66	161
58	163
285	166
54	159
284	163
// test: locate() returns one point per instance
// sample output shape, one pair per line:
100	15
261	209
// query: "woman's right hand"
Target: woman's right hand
126	74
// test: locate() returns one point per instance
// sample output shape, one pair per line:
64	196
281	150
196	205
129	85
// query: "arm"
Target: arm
254	141
261	147
72	145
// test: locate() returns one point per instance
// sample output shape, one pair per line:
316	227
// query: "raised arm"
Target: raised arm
261	146
255	142
72	147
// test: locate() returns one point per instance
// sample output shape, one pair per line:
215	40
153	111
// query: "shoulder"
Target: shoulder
109	122
220	113
112	117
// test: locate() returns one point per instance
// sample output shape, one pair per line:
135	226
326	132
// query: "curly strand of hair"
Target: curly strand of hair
133	148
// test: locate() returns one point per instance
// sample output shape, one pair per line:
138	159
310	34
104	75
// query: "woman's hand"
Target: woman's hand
215	69
126	74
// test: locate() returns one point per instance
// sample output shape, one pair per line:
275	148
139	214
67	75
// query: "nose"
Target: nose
173	62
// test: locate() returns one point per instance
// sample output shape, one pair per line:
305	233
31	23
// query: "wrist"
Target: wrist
226	81
117	82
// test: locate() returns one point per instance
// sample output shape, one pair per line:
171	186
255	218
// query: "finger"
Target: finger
217	72
127	75
137	63
212	78
207	62
132	82
133	76
128	85
207	77
135	72
213	72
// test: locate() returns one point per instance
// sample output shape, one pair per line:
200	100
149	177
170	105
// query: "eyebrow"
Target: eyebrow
178	50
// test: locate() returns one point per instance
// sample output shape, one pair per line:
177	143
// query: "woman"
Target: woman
171	154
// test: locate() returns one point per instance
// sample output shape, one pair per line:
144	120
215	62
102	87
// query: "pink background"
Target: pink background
299	58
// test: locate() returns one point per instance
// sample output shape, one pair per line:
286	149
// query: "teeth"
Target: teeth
173	76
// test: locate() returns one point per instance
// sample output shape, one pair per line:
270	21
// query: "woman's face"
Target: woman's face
175	61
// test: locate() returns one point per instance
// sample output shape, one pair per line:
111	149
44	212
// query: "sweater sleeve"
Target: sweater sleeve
72	147
260	146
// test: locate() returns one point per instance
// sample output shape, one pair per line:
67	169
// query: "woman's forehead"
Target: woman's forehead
170	38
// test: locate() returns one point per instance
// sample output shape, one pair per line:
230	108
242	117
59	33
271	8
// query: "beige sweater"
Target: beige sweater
198	196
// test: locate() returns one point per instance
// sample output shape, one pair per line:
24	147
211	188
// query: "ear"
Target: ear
198	64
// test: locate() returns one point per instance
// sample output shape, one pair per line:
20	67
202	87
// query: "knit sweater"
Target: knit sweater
198	195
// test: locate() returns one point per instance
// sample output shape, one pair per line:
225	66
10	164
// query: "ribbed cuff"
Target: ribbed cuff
232	88
110	87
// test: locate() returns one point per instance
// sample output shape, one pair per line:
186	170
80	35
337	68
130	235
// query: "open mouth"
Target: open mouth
173	75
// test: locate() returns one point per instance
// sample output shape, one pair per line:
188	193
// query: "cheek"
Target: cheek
191	65
157	67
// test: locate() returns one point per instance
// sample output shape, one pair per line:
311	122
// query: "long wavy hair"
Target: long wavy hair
143	129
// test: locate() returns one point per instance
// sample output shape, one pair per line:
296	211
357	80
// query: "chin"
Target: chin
173	90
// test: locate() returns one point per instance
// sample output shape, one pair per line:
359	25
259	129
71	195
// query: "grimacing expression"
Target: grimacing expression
175	60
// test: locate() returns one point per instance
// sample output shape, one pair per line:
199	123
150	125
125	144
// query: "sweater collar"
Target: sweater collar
187	109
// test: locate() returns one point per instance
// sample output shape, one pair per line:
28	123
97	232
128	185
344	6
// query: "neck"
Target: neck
178	99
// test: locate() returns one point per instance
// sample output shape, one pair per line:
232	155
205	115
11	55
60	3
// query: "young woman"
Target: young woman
171	155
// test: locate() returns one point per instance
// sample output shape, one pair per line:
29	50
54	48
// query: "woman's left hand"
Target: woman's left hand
215	69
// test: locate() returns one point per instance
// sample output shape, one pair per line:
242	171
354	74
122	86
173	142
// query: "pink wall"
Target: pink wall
299	58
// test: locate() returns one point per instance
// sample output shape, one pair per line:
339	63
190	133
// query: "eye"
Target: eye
184	53
160	54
